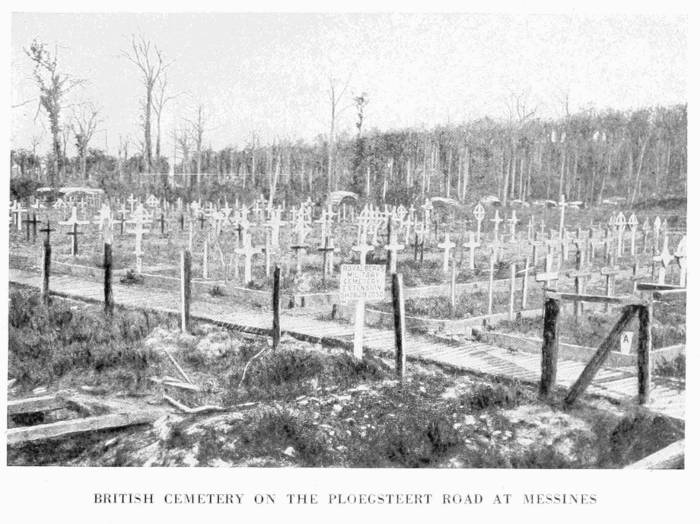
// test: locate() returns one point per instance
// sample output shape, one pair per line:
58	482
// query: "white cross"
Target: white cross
512	221
665	258
620	223
496	225
248	251
681	259
479	214
471	246
131	200
447	246
562	208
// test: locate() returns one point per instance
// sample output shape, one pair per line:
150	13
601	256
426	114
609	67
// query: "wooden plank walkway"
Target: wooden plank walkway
667	395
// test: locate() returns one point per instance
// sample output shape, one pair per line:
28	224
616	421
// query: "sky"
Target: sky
269	74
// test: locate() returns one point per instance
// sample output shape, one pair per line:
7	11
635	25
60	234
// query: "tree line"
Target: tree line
584	156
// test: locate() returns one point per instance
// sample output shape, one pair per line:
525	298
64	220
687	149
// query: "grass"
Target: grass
310	406
288	373
471	304
47	343
668	326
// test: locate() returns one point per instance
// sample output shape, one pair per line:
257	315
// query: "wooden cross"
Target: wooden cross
609	274
665	258
363	248
535	244
479	214
248	251
681	259
632	222
496	225
131	200
48	232
417	244
139	220
562	207
18	210
327	251
579	275
548	275
620	224
446	246
657	230
646	228
471	246
73	223
33	223
525	273
274	224
74	233
512	221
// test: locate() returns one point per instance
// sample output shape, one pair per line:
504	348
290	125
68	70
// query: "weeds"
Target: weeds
131	278
46	343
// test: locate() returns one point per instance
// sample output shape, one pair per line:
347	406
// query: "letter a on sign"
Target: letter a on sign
626	342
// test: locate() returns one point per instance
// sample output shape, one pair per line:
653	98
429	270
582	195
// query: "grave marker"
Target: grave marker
359	283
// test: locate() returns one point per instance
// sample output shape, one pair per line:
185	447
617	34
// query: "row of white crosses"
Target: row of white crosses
665	258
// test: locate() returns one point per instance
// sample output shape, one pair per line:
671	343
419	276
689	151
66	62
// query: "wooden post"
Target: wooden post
46	272
643	353
523	304
511	301
276	308
205	258
359	328
492	261
453	288
601	354
550	347
107	265
399	323
185	288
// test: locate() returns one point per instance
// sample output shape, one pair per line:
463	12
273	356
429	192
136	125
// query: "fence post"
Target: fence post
511	298
107	265
550	347
453	288
399	322
643	351
276	308
185	288
46	272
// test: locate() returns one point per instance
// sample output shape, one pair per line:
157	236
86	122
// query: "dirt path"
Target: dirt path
667	396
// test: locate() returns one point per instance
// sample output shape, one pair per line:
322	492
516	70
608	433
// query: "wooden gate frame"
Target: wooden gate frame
550	346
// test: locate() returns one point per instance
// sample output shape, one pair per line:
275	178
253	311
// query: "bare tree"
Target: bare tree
183	144
83	124
335	96
198	128
53	87
159	101
149	59
360	104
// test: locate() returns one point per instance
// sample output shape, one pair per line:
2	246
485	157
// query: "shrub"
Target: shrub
503	396
131	278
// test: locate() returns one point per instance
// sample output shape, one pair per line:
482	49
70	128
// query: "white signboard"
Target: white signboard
361	282
626	342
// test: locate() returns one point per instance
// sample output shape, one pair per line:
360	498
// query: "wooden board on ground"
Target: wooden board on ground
83	425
